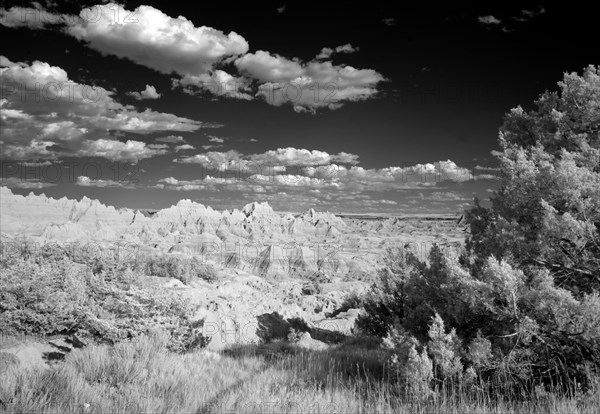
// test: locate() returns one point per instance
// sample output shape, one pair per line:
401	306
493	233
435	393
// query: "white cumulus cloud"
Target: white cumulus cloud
489	20
84	181
154	39
148	93
308	86
46	115
327	52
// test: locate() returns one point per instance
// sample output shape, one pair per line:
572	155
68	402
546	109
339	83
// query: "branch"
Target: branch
565	268
572	334
507	336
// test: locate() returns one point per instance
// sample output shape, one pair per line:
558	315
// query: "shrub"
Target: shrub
50	297
202	270
387	298
413	370
500	320
180	267
522	301
444	348
311	288
294	335
44	298
8	361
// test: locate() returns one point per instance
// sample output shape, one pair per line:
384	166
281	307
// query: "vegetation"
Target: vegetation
143	376
509	324
46	292
546	214
520	305
181	268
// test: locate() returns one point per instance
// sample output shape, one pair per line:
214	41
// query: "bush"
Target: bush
522	302
204	271
311	288
500	320
180	267
444	349
387	299
45	297
413	369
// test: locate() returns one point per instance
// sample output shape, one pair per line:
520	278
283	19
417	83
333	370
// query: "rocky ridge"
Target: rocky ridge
274	268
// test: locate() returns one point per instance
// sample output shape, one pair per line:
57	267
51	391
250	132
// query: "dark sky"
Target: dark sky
449	74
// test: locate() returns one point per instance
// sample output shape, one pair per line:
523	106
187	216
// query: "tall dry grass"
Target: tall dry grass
144	377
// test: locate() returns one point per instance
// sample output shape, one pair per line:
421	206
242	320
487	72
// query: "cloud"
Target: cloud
301	168
307	86
45	115
266	67
130	151
17	182
281	9
487	177
220	160
345	158
489	20
144	35
533	13
85	181
184	147
292	156
296	192
208	183
249	184
151	38
218	140
291	180
527	15
446	196
218	83
171	139
327	52
282	157
486	168
389	21
158	146
148	93
347	48
388	178
336	178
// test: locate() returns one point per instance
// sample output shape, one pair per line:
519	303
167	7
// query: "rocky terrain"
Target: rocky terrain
275	270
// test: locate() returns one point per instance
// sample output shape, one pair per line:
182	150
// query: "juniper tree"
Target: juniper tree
546	212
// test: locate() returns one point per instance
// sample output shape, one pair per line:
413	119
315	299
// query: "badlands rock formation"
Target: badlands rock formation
273	267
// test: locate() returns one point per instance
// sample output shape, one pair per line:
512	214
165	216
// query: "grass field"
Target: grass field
144	377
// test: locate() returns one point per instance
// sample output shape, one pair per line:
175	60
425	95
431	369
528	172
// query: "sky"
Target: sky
378	109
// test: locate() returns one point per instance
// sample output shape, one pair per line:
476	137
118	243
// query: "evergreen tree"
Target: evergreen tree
546	212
